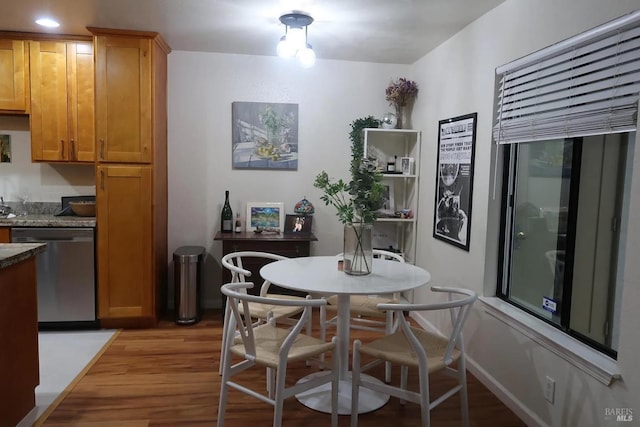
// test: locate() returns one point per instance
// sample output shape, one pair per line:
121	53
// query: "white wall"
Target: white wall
42	182
458	78
202	87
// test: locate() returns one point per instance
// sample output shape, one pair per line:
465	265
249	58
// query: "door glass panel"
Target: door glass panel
540	226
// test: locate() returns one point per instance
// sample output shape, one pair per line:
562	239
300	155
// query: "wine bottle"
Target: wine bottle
238	226
226	216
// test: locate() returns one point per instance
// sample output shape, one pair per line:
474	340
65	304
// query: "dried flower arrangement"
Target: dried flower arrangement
401	91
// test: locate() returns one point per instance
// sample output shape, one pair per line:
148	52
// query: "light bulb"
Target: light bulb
47	22
306	56
284	48
297	38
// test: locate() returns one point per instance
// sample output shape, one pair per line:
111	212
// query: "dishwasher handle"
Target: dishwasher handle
43	235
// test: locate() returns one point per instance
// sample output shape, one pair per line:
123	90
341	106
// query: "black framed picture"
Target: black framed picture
454	180
297	224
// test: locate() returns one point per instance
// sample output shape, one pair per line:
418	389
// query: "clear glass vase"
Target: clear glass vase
358	250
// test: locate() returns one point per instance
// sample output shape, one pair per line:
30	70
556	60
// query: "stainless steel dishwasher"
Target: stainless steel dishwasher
66	275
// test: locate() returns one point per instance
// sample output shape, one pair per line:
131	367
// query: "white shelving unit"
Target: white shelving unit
400	233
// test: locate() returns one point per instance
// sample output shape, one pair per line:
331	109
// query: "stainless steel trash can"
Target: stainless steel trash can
187	264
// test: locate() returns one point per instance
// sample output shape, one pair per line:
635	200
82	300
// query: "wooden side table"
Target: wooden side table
289	245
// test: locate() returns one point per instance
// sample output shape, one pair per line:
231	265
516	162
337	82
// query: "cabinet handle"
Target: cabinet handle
73	150
235	248
102	149
102	180
297	250
62	148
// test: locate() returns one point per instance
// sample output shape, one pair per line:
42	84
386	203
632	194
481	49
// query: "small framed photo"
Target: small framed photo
268	216
297	224
407	165
388	206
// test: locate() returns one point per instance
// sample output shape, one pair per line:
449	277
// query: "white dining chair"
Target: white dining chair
365	314
412	347
260	312
273	347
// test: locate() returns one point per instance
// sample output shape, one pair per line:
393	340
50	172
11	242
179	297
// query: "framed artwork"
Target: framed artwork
264	135
298	224
5	148
406	165
388	207
454	180
267	216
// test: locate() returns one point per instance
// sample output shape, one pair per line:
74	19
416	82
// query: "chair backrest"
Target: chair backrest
459	308
380	253
233	262
237	296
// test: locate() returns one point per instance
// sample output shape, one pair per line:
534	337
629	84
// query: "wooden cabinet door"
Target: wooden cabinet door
125	286
81	101
62	115
123	99
5	235
13	75
48	121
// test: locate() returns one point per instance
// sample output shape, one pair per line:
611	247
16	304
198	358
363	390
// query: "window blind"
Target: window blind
585	85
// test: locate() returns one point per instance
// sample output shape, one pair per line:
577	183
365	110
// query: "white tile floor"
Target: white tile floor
63	355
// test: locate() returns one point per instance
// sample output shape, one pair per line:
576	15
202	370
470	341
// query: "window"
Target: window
562	215
566	117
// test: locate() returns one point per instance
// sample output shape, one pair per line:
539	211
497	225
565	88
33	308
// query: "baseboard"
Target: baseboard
506	397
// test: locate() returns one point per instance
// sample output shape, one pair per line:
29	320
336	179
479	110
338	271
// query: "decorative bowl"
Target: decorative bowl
83	208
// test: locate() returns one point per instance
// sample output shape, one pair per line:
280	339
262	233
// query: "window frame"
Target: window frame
507	212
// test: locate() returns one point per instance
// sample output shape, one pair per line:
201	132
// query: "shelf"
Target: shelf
407	220
401	190
398	175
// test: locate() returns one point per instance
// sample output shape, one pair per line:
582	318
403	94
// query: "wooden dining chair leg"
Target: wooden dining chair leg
323	332
278	404
225	367
335	383
404	373
388	330
464	397
424	397
355	383
227	315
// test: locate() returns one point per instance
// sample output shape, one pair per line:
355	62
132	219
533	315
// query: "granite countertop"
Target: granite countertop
12	253
48	220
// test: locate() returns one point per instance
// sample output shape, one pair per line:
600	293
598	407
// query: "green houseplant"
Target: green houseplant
357	201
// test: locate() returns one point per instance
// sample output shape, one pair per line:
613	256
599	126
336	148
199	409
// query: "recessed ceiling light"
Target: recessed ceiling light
47	22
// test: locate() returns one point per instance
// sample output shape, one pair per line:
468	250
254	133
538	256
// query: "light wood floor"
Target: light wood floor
169	377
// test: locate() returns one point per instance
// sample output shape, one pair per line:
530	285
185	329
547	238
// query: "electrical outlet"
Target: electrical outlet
549	389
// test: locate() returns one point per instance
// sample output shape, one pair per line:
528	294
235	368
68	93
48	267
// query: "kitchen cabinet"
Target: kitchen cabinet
131	176
289	245
124	233
19	361
5	235
62	101
392	229
124	99
14	76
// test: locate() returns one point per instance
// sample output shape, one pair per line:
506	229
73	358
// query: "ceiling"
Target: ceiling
384	31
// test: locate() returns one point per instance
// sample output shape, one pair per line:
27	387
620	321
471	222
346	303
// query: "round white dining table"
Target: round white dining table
319	275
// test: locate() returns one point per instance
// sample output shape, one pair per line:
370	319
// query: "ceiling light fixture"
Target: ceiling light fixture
294	42
47	22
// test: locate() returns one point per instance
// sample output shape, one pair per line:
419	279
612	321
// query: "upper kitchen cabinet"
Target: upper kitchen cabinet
14	76
130	95
62	101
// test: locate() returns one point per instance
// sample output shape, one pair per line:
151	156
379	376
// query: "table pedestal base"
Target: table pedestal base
319	398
